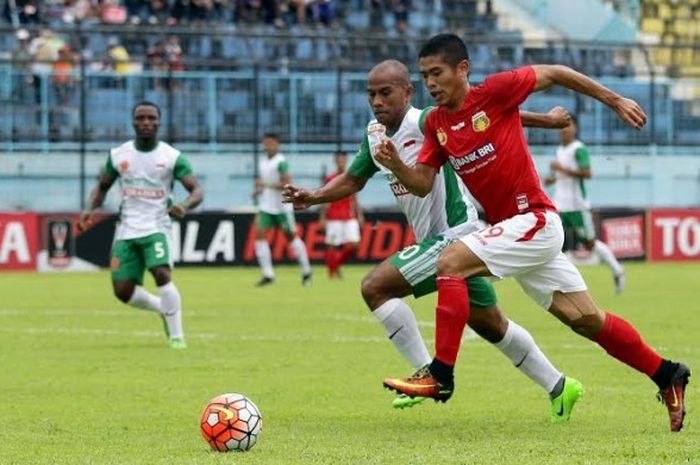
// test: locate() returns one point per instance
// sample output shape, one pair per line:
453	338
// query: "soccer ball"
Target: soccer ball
231	422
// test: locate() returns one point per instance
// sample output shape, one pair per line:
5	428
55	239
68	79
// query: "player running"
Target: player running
477	131
437	220
341	221
146	169
273	175
569	173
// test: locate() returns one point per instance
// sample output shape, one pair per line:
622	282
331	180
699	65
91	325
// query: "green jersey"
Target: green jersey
570	191
146	182
271	171
447	210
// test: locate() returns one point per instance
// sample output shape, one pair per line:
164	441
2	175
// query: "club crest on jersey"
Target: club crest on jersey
123	166
441	136
480	121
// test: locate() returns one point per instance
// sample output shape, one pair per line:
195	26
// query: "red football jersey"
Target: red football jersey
343	209
485	144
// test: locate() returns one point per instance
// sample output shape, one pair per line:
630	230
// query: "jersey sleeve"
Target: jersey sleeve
362	165
283	167
582	158
182	167
431	152
109	168
421	119
511	88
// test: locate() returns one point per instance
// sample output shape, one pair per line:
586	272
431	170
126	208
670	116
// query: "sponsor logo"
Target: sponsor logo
123	166
376	129
190	247
675	234
143	192
624	236
398	189
458	126
115	263
19	241
480	121
522	202
460	162
409	143
441	136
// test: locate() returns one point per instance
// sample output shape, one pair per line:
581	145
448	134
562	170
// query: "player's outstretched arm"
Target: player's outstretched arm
338	188
96	199
191	183
556	118
627	109
418	180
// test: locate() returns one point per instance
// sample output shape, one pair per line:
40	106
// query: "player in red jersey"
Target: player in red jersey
477	130
341	220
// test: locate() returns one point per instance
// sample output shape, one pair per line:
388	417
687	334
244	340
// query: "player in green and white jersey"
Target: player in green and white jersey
569	173
273	175
146	169
437	220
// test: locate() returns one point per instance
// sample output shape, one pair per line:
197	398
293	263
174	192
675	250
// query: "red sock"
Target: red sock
347	252
621	340
451	315
331	260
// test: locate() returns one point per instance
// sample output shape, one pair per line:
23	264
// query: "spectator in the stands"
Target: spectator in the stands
22	62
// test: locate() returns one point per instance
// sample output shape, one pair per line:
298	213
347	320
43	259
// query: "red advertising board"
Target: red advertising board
674	234
19	241
624	236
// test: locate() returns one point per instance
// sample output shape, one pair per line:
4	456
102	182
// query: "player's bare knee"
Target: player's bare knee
589	244
372	291
123	291
449	262
161	275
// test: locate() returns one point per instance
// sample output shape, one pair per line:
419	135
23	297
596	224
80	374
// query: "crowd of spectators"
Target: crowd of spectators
280	13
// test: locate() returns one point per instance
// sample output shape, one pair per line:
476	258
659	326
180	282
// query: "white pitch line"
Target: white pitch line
100	332
204	336
70	312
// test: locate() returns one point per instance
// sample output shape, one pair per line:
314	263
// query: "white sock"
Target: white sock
519	346
172	309
606	256
300	250
264	256
143	299
402	329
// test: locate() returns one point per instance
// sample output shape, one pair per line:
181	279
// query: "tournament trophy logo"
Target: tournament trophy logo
60	243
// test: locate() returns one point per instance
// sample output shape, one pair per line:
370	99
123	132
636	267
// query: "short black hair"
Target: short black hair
145	103
340	153
574	119
271	135
449	45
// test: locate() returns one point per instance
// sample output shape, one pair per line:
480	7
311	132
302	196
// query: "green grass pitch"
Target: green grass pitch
87	380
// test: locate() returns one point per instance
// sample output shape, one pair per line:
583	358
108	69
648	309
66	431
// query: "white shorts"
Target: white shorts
528	248
340	232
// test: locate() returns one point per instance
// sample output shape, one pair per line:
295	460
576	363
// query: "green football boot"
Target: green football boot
402	401
177	343
563	404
